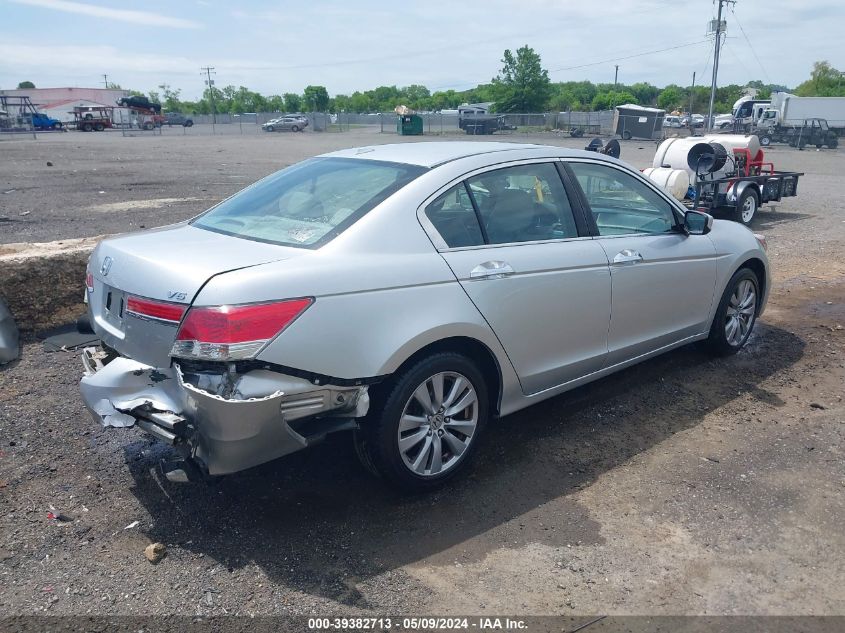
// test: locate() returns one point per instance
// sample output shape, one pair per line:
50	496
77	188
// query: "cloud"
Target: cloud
34	56
122	15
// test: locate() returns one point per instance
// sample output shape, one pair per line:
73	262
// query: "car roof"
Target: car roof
434	153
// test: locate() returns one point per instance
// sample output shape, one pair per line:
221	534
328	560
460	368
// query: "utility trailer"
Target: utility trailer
474	119
739	191
92	118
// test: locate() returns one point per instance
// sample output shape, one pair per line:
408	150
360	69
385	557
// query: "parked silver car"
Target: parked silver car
409	293
281	124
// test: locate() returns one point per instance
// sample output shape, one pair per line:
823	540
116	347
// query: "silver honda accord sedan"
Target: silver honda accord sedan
408	293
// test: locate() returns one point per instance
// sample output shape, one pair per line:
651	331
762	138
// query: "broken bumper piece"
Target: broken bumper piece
225	422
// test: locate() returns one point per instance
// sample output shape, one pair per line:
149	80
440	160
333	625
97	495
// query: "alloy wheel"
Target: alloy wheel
438	423
739	317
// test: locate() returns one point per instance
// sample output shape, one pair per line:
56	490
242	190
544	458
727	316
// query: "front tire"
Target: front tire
294	128
424	428
736	314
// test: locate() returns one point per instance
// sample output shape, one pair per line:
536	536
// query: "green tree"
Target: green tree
824	81
275	103
171	101
523	84
293	102
608	100
645	93
316	98
671	97
26	85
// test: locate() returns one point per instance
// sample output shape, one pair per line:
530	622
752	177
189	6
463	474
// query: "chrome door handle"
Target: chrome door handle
491	270
627	257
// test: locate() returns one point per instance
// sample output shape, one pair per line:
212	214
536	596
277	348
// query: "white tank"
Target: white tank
680	153
736	141
675	182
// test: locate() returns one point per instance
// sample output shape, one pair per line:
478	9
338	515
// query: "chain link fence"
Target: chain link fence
576	124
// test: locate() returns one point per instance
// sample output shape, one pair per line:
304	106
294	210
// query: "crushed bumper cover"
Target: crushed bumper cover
225	423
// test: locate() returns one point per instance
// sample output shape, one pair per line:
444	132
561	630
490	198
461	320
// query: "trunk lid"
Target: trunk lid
170	264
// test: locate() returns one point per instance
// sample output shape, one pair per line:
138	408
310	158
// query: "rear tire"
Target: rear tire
99	127
736	314
765	140
270	128
424	426
87	127
626	135
294	128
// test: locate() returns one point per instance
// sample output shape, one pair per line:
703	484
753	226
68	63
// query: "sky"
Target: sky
346	45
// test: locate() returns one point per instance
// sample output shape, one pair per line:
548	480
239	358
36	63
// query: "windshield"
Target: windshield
310	203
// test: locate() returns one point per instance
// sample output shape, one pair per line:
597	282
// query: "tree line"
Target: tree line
522	85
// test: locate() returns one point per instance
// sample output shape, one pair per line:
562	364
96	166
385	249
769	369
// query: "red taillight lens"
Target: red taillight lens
89	281
158	310
234	332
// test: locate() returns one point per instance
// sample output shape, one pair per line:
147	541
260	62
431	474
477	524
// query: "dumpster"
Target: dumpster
633	121
409	125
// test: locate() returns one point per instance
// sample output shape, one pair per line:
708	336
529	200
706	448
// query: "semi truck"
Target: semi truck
747	111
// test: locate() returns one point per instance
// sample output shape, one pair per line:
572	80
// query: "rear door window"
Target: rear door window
523	203
453	215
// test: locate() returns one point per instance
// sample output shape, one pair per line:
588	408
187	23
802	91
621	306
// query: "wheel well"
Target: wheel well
759	269
473	349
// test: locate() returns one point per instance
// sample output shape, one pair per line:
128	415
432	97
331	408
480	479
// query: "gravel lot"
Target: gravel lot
686	485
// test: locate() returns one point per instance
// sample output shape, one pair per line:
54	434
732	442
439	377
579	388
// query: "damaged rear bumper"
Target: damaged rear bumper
224	421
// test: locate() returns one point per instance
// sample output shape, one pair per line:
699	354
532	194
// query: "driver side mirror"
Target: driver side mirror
697	222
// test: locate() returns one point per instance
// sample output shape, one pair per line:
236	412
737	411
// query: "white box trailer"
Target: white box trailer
793	110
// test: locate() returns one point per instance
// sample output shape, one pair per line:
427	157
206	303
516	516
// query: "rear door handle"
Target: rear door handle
491	270
627	257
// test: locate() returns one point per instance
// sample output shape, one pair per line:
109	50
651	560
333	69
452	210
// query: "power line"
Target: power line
619	59
748	41
604	61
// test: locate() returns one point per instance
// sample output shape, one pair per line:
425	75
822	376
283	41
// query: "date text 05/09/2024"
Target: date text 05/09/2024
416	624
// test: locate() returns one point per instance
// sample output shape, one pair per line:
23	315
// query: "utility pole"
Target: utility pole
615	79
208	71
716	62
106	81
691	93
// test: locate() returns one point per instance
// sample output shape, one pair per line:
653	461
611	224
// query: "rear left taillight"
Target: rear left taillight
236	332
89	281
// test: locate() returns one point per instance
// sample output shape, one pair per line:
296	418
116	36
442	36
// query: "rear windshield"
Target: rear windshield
309	203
